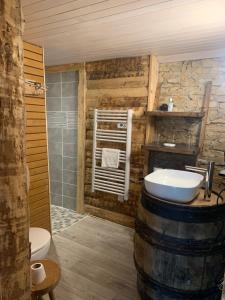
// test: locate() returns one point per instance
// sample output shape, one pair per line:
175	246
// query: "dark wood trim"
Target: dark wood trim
179	148
62	68
110	215
205	109
177	114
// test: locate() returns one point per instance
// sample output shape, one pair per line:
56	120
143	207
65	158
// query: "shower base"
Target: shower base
62	218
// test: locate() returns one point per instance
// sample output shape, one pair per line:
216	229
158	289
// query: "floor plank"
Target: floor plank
96	259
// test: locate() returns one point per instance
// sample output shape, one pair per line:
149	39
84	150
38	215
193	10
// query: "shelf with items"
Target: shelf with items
154	145
175	114
179	148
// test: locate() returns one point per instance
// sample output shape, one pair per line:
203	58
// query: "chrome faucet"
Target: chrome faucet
208	174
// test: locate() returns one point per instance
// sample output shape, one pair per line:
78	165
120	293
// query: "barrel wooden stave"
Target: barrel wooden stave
178	260
188	273
151	293
181	230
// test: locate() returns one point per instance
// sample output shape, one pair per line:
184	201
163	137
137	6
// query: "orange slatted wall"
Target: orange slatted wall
36	140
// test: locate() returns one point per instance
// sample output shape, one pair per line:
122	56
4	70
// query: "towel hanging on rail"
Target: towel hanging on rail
105	176
110	158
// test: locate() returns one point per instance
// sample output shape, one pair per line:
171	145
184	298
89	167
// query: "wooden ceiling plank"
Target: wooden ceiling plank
168	39
175	28
61	23
100	41
76	8
145	11
145	43
30	2
37	6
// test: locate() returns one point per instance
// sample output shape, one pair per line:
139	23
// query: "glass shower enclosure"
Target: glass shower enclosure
61	100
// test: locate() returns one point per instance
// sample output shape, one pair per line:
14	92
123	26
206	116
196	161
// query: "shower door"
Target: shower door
61	101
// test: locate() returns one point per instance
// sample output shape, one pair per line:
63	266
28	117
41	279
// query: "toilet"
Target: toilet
40	240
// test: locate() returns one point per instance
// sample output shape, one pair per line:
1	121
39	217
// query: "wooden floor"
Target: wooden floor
96	259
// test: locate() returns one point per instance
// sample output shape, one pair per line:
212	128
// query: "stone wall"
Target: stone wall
184	82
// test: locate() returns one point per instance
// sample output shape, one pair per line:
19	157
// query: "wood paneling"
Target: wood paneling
39	170
36	157
36	141
35	116
35	129
37	123
33	71
31	62
33	48
35	108
34	144
38	163
119	92
35	178
36	136
37	150
34	101
39	183
122	28
117	84
31	55
38	190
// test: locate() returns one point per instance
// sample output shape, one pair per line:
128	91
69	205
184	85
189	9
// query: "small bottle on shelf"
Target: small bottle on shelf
170	105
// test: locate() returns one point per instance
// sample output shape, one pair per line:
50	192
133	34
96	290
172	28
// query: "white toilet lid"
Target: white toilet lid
38	237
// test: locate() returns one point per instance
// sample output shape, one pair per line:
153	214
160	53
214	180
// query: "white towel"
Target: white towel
110	158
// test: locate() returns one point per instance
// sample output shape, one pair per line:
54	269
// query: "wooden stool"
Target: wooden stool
52	271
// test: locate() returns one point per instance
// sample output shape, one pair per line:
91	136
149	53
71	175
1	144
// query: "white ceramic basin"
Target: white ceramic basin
173	185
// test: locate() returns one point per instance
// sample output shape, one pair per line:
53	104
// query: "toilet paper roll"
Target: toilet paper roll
37	273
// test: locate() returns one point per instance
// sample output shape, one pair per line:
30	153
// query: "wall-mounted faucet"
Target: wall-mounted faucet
208	173
222	172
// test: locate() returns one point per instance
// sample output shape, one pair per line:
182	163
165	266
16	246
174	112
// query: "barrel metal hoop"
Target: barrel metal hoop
143	294
176	294
182	213
184	247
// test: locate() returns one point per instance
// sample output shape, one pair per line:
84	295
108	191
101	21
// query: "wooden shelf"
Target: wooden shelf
175	114
179	149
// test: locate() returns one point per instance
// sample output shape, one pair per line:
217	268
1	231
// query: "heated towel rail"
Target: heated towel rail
112	180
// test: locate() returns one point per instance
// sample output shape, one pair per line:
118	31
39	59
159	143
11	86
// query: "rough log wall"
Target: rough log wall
118	84
14	240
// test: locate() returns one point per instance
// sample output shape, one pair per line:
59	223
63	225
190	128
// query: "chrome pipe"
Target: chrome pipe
208	173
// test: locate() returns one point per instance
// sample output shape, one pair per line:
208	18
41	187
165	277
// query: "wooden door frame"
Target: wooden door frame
81	133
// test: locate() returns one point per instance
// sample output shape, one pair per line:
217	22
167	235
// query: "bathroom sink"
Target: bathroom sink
173	185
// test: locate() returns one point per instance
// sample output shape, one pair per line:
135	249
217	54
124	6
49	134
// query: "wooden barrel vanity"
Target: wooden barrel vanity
179	249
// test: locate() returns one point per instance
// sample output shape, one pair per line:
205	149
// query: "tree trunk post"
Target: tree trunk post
14	218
